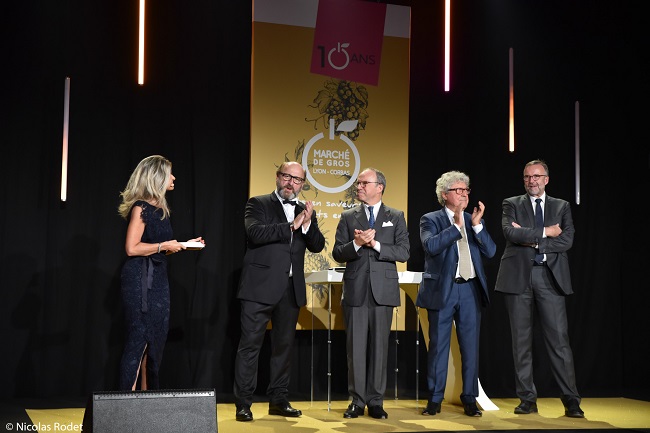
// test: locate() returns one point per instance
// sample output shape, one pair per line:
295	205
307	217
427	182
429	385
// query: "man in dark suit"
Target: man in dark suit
272	287
452	292
534	276
370	239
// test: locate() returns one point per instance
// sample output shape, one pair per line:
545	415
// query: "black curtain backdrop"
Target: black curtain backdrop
61	323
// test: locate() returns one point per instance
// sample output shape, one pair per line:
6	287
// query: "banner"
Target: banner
330	89
345	49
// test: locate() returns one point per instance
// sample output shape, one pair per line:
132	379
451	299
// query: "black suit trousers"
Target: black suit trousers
254	320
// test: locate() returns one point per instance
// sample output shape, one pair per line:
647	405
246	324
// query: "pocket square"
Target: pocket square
387	224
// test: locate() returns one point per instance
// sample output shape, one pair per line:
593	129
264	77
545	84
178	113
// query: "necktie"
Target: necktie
539	222
291	202
464	260
371	219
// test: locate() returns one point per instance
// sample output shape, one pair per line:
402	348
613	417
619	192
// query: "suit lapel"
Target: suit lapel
277	207
446	223
548	208
297	208
528	208
360	216
382	216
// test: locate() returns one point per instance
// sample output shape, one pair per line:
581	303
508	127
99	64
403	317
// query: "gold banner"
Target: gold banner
335	127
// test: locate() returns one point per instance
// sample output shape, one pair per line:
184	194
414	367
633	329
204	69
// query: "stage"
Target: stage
601	414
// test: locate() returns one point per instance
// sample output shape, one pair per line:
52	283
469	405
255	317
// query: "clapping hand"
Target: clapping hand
477	213
365	238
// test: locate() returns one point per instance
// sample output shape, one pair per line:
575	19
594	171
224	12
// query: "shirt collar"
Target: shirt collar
532	199
281	199
375	207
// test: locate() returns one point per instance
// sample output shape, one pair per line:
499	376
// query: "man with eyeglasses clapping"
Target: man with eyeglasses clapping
454	287
279	229
370	239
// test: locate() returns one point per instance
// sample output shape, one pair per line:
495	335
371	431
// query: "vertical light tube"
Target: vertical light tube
64	150
141	45
447	41
511	97
577	150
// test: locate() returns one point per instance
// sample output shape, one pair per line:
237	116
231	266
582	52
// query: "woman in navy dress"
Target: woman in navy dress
144	280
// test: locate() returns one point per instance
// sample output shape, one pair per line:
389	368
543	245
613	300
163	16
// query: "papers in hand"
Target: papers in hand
193	245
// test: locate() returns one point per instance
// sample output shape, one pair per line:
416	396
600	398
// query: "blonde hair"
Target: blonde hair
148	182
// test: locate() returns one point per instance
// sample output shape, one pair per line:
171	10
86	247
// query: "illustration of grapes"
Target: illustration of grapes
342	100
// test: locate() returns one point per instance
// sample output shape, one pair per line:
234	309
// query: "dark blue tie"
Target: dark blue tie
371	220
539	222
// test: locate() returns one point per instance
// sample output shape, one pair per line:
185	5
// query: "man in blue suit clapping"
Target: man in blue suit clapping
454	286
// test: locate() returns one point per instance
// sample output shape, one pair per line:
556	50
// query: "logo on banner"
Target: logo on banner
341	160
348	40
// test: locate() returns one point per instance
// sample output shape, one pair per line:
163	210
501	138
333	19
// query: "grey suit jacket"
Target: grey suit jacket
518	256
368	267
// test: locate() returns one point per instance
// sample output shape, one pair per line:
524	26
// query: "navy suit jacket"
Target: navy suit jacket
439	236
517	259
271	252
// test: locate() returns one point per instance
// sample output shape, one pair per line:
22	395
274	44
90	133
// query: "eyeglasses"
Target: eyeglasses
459	191
364	183
535	177
297	180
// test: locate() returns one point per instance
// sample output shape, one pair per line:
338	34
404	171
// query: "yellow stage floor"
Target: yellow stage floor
405	416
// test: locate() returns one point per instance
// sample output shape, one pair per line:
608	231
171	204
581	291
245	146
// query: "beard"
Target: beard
287	192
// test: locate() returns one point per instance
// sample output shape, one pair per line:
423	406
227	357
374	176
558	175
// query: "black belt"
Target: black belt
538	264
462	280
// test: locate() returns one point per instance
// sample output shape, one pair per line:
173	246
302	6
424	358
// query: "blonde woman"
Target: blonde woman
144	280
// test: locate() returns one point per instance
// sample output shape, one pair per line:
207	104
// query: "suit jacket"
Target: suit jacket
367	266
517	260
439	235
271	252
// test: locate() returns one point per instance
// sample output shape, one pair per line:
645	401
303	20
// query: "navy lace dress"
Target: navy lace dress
145	299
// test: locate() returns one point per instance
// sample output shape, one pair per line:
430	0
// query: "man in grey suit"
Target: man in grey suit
534	277
370	239
272	287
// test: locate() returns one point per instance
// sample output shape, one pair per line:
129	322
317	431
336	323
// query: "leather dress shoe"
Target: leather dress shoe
526	407
432	408
244	413
353	411
283	409
471	409
377	412
572	409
